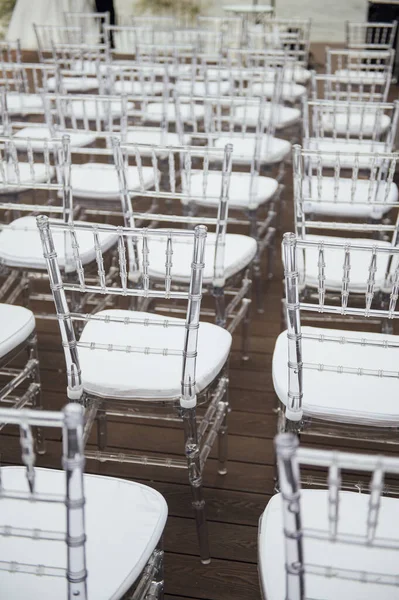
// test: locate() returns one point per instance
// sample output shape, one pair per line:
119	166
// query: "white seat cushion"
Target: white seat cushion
334	259
155	112
217	74
90	109
343	397
23	104
263	189
352	146
199	88
323	200
239	252
43	133
27	174
20	245
358	76
273	150
290	92
17	323
95	180
89	67
138	88
355	123
74	84
130	514
283	116
139	375
353	510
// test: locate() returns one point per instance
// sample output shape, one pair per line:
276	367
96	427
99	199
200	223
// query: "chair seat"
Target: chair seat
273	150
89	67
155	112
20	245
37	134
263	189
23	104
17	323
35	173
239	253
283	116
341	397
138	88
290	92
130	514
353	510
357	76
73	84
320	198
360	262
356	123
90	109
152	376
218	74
353	146
200	88
95	180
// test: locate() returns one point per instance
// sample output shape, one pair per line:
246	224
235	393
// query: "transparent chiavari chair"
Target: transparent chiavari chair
35	178
227	255
81	67
135	80
324	186
92	24
55	542
360	66
329	543
339	382
10	52
370	36
187	356
229	27
24	83
48	35
177	56
126	37
350	127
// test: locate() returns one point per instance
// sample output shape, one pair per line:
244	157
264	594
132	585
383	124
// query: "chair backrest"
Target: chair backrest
92	24
48	35
350	123
186	173
41	166
229	27
134	247
352	87
23	486
318	255
363	62
135	80
158	23
349	186
370	36
10	51
335	526
27	78
289	35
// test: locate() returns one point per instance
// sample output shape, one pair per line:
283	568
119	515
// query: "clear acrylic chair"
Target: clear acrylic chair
10	51
370	36
54	541
229	27
92	24
81	67
48	35
291	35
330	381
360	66
325	186
329	543
350	127
24	83
227	255
136	80
174	55
188	357
335	87
34	178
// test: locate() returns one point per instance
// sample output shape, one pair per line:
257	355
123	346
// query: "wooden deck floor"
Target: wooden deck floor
235	501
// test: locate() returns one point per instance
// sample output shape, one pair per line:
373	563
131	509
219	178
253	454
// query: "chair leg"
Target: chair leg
245	335
220	306
102	430
37	397
192	451
223	438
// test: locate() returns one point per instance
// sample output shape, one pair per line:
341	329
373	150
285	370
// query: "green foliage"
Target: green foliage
6	8
188	9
